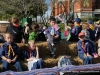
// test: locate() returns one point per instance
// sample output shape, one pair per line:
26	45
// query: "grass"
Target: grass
62	26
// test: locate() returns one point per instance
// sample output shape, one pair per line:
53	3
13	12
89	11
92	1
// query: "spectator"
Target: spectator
16	30
26	30
70	23
44	31
53	36
91	30
40	27
26	34
75	30
41	34
25	25
31	55
9	53
67	33
34	34
84	49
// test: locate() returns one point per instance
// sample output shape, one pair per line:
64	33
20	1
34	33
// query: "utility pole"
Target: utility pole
72	9
65	12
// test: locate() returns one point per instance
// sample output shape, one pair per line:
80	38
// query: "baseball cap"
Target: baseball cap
78	20
81	34
90	21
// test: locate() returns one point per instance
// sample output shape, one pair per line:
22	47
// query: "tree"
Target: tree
71	6
23	8
86	3
68	15
39	7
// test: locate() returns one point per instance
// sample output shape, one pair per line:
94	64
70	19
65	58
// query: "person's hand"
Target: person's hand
13	60
23	41
55	37
88	54
32	58
47	39
37	48
52	35
8	60
85	55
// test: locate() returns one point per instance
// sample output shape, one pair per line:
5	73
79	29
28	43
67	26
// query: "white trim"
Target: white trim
82	10
96	12
86	9
4	22
78	9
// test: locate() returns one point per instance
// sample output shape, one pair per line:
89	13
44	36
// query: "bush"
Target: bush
62	26
90	18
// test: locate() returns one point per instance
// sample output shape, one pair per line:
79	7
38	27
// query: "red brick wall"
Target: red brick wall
56	9
59	8
78	7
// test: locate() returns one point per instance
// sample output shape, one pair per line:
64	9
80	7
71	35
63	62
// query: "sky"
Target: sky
48	11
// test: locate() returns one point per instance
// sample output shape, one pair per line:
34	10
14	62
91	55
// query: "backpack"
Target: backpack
64	61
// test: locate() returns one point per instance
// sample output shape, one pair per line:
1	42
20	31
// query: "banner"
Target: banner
91	68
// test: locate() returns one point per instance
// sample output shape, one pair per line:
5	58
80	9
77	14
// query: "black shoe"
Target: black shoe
52	55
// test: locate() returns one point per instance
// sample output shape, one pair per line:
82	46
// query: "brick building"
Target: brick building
65	6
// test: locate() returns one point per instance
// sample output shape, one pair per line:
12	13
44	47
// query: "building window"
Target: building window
97	4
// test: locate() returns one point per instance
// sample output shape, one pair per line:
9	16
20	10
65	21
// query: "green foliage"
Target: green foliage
62	26
90	18
22	8
86	3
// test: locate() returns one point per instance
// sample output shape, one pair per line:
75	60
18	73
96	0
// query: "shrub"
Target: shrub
62	26
90	18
